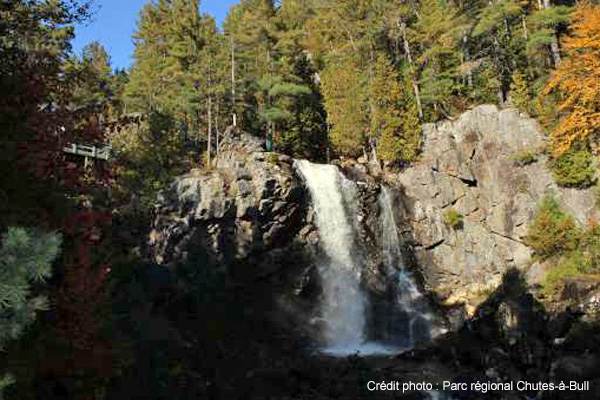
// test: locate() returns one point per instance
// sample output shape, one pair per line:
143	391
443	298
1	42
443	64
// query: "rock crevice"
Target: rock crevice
467	164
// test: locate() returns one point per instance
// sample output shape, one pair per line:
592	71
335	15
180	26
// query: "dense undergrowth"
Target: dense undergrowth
572	251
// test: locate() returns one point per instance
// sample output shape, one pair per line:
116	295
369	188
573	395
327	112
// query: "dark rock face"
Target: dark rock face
251	218
250	206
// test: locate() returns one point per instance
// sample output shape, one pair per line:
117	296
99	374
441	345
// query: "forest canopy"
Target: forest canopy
359	77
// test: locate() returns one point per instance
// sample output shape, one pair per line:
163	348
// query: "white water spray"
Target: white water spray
417	322
343	306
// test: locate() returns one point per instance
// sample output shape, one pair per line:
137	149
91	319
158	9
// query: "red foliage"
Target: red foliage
38	118
80	295
82	288
81	300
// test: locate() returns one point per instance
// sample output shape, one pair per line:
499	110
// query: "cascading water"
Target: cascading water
414	322
344	304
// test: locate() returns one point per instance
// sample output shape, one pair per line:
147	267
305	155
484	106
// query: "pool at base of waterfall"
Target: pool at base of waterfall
364	350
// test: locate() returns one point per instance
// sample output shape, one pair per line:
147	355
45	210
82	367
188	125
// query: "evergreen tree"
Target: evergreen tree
148	78
302	130
499	42
396	140
347	105
93	87
25	259
545	25
436	32
250	26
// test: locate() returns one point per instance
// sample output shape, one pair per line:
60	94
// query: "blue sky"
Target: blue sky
114	23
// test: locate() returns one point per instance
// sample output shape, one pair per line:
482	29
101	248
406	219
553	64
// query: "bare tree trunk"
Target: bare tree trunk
467	60
554	44
555	50
217	133
507	29
234	116
415	84
371	77
197	127
209	144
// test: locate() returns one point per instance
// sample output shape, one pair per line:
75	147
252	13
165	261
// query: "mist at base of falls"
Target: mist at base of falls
400	321
364	349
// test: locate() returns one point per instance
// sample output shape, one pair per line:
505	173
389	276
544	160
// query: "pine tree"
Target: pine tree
545	24
25	259
93	88
496	33
5	381
302	129
148	81
436	32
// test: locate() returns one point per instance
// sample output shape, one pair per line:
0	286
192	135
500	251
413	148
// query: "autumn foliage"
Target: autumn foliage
577	81
84	277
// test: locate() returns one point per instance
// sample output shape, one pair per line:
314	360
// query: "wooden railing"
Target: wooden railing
101	153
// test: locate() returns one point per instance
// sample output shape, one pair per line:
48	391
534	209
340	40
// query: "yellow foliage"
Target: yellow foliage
577	81
394	124
347	105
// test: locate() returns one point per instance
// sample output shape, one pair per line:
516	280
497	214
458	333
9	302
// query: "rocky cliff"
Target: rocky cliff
471	165
251	219
252	215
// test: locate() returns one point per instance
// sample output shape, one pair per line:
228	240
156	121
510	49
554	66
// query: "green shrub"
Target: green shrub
5	381
272	158
590	251
552	231
519	92
555	278
147	158
523	158
574	168
453	219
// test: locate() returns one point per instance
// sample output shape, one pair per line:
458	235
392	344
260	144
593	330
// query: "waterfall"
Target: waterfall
344	303
414	323
343	307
